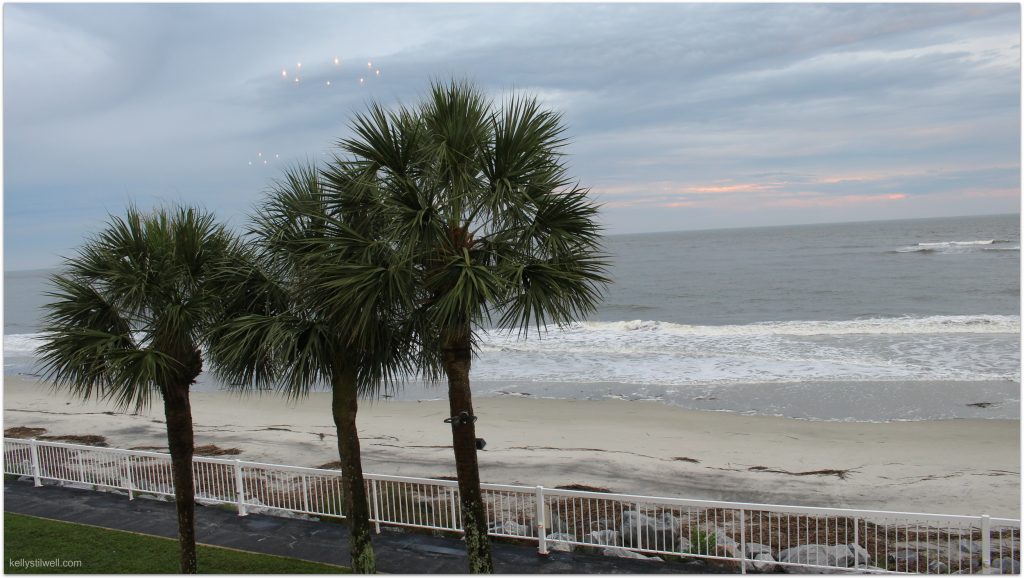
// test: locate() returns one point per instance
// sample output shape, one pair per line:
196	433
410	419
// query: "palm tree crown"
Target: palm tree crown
480	193
129	313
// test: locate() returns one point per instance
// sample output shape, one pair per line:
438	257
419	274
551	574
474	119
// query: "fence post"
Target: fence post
639	535
240	488
376	505
856	540
986	543
305	494
743	542
131	480
542	536
81	467
456	523
34	455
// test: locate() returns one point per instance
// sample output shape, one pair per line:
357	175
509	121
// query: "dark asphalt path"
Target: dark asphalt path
396	551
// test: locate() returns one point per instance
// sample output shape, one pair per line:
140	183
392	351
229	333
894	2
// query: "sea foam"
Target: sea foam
971	348
908	348
959	246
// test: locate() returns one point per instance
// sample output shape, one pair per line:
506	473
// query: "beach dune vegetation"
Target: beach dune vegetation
127	319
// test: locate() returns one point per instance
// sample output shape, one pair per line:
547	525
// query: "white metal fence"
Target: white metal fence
752	537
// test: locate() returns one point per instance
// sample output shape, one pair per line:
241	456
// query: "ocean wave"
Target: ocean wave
907	348
969	348
958	246
22	344
26	344
960	243
986	324
914	249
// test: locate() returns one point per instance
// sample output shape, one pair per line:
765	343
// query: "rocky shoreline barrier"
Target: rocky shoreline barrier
796	546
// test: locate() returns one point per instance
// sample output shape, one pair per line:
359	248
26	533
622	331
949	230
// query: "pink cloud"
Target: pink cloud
815	200
670	188
737	188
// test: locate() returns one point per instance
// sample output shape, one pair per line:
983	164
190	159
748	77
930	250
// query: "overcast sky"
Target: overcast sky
682	116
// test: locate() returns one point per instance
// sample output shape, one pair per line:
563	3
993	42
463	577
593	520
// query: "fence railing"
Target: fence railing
749	536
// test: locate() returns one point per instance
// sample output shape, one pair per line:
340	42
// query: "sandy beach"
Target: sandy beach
966	466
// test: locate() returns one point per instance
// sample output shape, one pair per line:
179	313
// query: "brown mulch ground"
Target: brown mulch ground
36	432
580	487
86	439
23	432
214	450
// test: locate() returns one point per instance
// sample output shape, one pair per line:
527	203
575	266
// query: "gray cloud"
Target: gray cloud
742	114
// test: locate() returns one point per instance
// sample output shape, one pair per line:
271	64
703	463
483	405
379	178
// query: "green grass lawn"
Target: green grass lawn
28	539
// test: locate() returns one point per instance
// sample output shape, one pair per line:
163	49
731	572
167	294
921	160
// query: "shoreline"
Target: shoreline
866	401
962	466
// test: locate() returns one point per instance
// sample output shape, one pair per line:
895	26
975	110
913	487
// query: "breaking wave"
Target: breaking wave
22	344
987	324
907	348
958	243
654	352
958	246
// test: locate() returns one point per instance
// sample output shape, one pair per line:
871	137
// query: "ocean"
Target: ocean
880	321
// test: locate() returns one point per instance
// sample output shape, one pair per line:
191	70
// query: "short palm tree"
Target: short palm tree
316	244
477	199
129	315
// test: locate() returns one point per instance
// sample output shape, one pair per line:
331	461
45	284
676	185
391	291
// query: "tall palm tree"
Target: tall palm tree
316	244
477	198
128	318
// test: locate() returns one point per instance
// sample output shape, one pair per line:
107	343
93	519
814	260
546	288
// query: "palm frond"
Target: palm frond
128	313
472	204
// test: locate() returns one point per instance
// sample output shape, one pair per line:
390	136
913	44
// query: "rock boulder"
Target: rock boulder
557	542
1007	565
511	528
819	555
626	554
655	533
606	537
763	563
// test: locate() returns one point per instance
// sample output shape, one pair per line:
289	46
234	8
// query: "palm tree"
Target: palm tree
315	245
129	315
478	200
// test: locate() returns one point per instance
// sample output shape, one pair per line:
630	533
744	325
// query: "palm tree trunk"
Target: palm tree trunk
456	359
178	412
344	405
